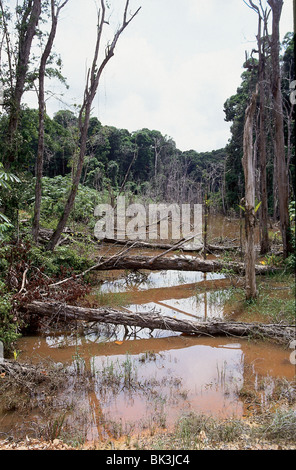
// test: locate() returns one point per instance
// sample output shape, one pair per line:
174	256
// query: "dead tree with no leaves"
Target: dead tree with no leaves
94	75
279	142
250	218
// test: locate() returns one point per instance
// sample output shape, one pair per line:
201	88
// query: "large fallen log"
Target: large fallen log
174	263
190	247
153	320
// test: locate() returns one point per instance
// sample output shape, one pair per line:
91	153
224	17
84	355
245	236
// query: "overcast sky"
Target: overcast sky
173	69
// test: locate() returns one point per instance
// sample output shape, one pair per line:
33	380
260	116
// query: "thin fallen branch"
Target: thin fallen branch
23	281
174	247
153	320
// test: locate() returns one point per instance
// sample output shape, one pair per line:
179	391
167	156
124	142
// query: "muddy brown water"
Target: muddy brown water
147	379
143	379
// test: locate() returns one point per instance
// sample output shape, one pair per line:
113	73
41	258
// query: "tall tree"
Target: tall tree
249	202
56	7
28	17
94	75
279	142
263	14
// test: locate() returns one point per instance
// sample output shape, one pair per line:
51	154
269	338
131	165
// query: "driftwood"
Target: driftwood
154	320
178	264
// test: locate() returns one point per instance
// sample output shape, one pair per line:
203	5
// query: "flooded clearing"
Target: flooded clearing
149	382
146	379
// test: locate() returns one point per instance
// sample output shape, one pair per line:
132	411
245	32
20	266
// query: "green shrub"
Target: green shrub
64	258
54	195
8	329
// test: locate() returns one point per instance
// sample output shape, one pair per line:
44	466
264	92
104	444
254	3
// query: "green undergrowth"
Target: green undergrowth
26	271
275	301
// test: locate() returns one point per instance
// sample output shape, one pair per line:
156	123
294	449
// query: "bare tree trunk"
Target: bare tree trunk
250	219
41	101
282	171
206	215
263	15
262	147
223	188
90	91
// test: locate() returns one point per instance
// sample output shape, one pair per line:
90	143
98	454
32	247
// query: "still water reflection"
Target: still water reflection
144	379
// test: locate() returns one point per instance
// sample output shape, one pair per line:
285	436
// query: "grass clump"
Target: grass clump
275	302
279	426
194	430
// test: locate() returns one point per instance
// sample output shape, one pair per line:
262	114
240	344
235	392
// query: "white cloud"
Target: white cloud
173	69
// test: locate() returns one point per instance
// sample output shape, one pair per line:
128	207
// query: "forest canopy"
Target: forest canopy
147	162
54	170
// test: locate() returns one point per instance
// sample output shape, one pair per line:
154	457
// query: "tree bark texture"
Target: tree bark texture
282	170
152	320
250	219
262	141
179	264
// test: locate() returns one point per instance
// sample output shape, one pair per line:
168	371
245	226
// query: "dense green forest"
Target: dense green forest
55	170
145	163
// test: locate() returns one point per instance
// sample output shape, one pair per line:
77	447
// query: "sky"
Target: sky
174	66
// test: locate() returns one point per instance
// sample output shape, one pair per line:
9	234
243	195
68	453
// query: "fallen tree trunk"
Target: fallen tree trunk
166	246
178	264
153	320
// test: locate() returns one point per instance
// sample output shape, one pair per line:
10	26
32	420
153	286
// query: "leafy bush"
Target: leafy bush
54	196
62	259
8	330
23	261
291	260
6	179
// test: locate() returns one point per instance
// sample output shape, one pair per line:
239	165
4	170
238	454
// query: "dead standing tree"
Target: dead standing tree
94	75
263	15
249	202
262	41
279	142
